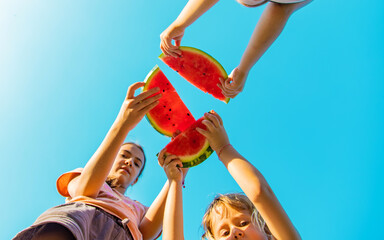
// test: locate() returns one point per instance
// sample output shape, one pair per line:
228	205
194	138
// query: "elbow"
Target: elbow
260	192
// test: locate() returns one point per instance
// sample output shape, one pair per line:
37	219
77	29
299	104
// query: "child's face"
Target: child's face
128	164
234	224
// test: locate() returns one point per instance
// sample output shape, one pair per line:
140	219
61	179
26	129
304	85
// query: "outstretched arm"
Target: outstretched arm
268	28
97	168
167	206
173	214
250	180
192	11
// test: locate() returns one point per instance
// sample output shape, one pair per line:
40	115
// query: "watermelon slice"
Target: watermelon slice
200	69
190	146
170	114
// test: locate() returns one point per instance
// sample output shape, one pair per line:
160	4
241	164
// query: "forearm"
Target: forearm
97	168
151	224
249	179
256	188
268	28
192	11
173	217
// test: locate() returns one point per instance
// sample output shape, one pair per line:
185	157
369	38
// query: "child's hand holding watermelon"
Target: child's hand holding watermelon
173	210
270	25
234	84
172	166
215	133
175	33
135	107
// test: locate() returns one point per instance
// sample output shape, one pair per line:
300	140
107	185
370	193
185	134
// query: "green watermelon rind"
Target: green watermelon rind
147	80
196	161
192	49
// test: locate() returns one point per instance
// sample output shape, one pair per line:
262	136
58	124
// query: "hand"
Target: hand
134	108
215	133
234	84
171	165
166	37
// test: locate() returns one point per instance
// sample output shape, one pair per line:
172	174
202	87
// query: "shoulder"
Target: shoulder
63	181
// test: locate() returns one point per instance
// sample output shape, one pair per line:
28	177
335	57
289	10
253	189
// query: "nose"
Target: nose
129	162
238	234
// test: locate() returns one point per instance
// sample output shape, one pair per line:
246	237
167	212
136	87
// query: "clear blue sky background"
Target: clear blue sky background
310	118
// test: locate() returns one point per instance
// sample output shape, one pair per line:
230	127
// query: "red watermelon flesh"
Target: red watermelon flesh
170	114
200	69
190	146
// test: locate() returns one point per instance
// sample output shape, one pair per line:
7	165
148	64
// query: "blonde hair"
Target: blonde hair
238	202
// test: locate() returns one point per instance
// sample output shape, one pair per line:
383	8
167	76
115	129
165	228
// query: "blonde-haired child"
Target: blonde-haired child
268	28
238	202
234	216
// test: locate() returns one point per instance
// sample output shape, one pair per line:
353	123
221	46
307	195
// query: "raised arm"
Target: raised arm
250	180
192	11
168	203
97	168
173	228
268	28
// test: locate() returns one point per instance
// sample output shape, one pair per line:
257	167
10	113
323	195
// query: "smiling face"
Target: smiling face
229	223
128	165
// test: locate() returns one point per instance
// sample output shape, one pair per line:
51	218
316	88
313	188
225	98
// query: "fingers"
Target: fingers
227	91
172	161
150	106
168	51
168	48
231	95
213	119
202	132
133	88
146	94
217	116
166	45
143	102
162	157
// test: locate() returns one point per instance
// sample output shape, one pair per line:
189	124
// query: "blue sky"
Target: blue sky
310	117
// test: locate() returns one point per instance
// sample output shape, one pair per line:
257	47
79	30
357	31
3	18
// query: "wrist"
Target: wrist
222	148
178	25
243	70
177	182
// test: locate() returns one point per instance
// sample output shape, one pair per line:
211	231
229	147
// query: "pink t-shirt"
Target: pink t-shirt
109	200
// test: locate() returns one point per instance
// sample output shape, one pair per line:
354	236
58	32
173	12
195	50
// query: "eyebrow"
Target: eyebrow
135	157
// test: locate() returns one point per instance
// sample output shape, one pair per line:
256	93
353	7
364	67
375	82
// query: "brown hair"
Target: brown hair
238	202
112	181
